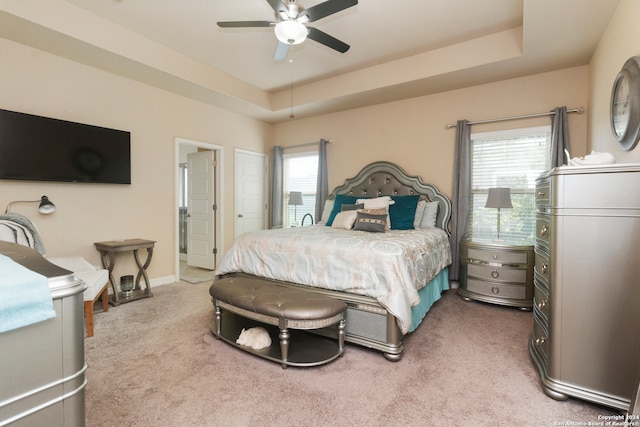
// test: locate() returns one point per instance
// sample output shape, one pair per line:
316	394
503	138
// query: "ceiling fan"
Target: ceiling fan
290	25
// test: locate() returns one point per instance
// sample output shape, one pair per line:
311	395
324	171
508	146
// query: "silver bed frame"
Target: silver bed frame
368	323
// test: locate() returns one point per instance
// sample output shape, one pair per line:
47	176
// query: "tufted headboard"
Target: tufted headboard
388	179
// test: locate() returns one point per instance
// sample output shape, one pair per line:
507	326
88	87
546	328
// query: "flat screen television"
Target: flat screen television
44	149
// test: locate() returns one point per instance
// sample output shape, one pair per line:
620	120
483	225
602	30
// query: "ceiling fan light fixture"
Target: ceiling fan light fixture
290	32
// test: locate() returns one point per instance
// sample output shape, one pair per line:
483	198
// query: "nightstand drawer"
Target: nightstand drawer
497	256
497	290
502	274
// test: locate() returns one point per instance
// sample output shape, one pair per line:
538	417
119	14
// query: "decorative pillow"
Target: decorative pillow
328	207
430	214
372	223
345	219
375	203
379	211
340	200
403	212
351	207
422	204
382	202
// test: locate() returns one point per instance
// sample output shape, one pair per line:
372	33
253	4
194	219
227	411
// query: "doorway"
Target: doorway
199	218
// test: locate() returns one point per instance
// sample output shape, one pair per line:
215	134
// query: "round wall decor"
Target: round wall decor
625	104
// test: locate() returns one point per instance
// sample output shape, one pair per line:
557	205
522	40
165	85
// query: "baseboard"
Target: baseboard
166	280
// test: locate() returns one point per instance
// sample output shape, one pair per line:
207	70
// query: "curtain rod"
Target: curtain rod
305	145
578	110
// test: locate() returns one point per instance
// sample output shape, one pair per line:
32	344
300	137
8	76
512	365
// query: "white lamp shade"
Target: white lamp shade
290	32
499	198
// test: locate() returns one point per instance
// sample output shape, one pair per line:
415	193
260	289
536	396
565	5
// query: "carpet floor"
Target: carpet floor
154	362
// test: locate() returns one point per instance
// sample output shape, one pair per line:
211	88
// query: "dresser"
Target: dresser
497	272
586	332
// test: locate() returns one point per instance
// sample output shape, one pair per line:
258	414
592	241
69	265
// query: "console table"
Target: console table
108	251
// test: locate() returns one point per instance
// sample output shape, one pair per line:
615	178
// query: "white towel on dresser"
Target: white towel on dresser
25	297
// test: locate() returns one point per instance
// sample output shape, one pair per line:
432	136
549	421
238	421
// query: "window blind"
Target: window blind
300	174
512	159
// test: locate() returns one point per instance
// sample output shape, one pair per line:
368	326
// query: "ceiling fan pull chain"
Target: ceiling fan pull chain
291	116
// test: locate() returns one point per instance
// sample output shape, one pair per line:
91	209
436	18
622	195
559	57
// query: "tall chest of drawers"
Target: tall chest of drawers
586	308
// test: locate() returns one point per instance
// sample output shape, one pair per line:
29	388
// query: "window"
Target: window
511	159
300	174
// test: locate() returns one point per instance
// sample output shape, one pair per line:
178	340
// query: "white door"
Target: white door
201	210
250	178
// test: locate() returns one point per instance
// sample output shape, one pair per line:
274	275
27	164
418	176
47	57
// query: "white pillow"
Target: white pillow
430	214
328	207
345	220
378	203
417	220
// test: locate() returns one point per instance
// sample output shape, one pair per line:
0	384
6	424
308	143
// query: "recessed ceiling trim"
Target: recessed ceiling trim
481	51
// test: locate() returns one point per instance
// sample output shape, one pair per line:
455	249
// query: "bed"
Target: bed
389	280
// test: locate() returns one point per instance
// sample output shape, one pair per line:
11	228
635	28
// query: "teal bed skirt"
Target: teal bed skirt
428	296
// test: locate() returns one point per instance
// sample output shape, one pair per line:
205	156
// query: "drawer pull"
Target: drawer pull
544	230
495	274
495	290
542	304
544	268
541	194
540	341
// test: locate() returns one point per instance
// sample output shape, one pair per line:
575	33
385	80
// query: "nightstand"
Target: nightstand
497	272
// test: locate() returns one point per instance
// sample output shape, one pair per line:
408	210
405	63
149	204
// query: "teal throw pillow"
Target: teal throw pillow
402	213
337	206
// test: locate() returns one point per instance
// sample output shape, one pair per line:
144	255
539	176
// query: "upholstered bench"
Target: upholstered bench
266	302
97	280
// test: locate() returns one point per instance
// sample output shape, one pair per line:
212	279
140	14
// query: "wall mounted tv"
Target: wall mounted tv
43	149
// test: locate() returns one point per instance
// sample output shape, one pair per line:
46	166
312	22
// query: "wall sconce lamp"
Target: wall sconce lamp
46	206
295	200
499	198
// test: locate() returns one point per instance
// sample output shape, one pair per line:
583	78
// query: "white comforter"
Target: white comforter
389	267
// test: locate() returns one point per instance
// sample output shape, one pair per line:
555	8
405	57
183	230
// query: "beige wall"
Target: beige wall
39	83
412	132
620	41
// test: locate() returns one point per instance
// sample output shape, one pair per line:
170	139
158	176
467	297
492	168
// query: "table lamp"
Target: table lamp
499	198
295	200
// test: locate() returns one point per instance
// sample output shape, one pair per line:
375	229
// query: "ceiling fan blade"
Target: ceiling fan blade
277	6
327	40
281	51
327	8
244	24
